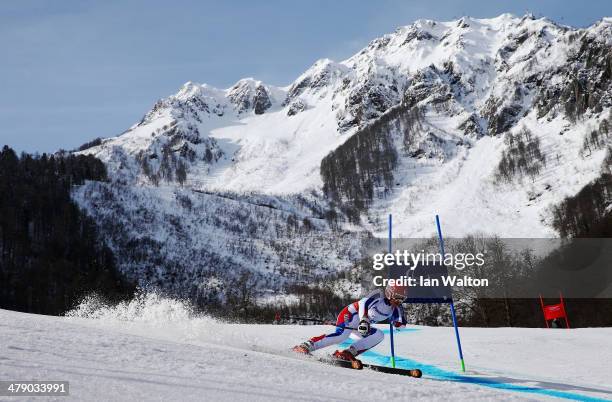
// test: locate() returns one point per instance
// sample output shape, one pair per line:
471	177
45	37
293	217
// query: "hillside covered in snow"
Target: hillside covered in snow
490	123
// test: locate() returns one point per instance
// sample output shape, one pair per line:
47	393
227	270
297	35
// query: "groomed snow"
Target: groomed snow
155	349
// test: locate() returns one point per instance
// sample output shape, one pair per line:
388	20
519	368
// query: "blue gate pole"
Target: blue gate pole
452	304
389	274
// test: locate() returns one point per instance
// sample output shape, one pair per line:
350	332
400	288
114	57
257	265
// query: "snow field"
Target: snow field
157	349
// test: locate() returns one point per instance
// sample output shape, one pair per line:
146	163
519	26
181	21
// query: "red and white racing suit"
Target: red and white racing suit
373	307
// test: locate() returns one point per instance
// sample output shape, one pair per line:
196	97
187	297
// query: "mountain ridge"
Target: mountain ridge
487	122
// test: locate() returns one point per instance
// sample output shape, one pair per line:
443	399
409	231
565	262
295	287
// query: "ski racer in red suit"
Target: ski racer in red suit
355	320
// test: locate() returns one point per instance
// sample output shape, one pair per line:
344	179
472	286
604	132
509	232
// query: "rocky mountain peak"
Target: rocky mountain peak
249	94
320	75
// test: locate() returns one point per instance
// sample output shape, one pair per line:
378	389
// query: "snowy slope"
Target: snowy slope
158	351
464	192
201	244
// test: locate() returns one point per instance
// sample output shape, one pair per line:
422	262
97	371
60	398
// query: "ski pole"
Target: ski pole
452	304
321	321
389	274
308	319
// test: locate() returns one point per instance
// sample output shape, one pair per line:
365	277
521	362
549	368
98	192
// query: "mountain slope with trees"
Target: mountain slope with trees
51	252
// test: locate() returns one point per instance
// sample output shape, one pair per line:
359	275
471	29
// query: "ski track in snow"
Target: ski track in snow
165	355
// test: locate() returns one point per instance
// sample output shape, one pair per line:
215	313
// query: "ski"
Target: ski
416	373
358	365
355	364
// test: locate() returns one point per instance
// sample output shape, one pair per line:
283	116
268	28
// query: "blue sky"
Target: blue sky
71	71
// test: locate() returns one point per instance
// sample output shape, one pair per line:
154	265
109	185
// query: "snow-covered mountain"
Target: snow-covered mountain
487	122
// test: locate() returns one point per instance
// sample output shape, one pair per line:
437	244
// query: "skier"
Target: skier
356	319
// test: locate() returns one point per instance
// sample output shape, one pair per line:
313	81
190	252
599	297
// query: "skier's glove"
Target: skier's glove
398	324
364	327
